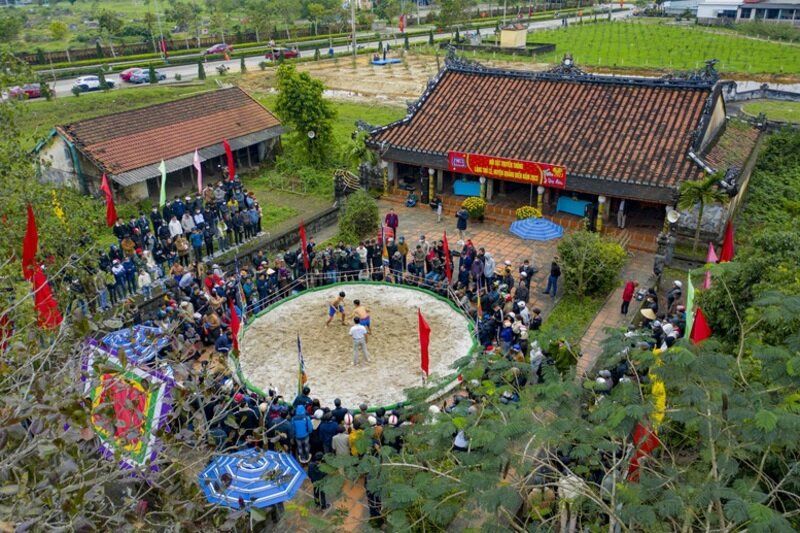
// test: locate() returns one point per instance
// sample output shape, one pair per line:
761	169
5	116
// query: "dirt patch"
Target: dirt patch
269	347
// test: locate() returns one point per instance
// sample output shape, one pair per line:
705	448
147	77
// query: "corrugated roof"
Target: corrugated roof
121	142
628	130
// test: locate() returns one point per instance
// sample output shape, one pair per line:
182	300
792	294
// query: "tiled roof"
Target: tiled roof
132	139
628	130
733	147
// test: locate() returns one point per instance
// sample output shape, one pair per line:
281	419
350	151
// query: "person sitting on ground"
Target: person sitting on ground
411	199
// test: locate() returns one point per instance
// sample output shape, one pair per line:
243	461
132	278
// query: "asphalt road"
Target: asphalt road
189	71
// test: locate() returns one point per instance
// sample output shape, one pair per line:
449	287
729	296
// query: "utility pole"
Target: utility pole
505	4
353	23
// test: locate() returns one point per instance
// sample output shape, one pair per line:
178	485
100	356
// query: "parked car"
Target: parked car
286	53
90	83
220	48
29	90
126	74
143	76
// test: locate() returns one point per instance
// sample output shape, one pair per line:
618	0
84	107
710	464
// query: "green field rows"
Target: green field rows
664	45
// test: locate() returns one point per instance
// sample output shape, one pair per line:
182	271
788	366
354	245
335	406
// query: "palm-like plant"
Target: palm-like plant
703	191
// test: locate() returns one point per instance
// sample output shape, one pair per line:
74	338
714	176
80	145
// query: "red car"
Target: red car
29	90
126	74
220	48
286	53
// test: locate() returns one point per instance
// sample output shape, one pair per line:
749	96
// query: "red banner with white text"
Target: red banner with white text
508	169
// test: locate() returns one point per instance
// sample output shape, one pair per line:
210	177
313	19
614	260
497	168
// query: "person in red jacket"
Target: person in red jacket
392	221
627	294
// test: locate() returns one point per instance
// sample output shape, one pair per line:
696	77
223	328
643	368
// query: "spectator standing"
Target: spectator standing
315	475
627	295
552	280
301	424
462	215
392	220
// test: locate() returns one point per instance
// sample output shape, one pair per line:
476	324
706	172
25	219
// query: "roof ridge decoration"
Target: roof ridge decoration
704	78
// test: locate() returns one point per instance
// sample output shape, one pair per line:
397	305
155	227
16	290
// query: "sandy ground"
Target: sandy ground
269	349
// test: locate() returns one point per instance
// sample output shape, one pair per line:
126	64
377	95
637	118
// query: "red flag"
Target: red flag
164	47
6	330
304	244
727	244
645	441
111	210
49	317
401	23
30	245
424	341
229	155
448	261
700	328
235	325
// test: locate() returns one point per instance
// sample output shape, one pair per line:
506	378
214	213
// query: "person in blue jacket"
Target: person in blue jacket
301	425
130	275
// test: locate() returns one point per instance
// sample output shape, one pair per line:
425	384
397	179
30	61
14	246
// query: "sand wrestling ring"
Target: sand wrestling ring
268	358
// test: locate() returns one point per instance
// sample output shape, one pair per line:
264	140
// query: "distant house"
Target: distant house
513	36
129	146
716	11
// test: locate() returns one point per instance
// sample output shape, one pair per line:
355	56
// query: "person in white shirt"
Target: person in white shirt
145	283
188	223
359	334
175	227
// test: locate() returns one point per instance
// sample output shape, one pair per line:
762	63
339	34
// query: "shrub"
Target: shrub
242	65
475	206
76	90
201	71
359	217
178	76
590	263
263	65
528	211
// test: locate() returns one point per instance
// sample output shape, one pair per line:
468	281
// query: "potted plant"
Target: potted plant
528	211
475	206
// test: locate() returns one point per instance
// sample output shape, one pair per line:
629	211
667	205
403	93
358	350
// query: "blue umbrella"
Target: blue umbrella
254	477
141	343
537	229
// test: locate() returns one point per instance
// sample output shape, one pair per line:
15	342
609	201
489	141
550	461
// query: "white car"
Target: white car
90	83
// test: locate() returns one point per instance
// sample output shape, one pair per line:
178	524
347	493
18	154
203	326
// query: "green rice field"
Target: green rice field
648	44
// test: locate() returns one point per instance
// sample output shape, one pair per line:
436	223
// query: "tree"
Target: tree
700	193
359	217
149	23
405	41
315	13
58	30
430	37
103	83
590	263
184	15
300	104
454	11
316	54
152	77
260	17
287	11
99	50
201	71
111	24
242	66
11	23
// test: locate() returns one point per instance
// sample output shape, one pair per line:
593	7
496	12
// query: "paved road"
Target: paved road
189	71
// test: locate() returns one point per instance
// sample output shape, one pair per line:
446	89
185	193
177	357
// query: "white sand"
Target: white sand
269	348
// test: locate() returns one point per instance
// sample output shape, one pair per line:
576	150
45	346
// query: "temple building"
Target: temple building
567	140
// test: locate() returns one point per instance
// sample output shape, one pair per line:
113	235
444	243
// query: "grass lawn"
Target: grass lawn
41	116
782	111
651	44
570	317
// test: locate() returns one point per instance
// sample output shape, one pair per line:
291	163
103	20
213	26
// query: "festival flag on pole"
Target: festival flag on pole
229	155
448	261
235	325
199	168
164	47
711	259
48	315
304	244
424	342
401	23
162	199
30	245
302	377
727	244
111	210
479	316
58	211
384	250
645	441
689	303
700	329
